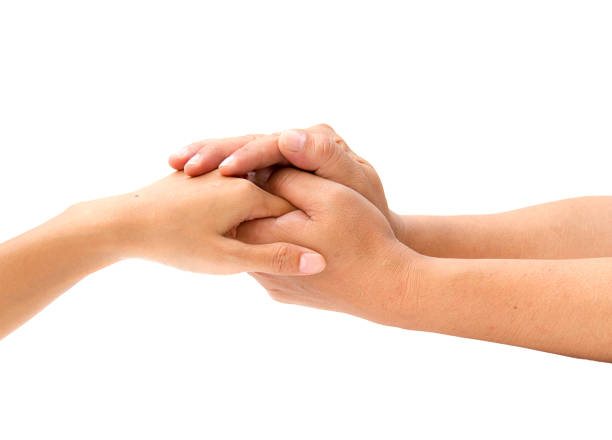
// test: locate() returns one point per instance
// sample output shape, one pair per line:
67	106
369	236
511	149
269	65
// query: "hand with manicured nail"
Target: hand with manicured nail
366	264
318	149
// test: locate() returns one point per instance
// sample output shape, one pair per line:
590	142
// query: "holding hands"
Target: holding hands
342	213
312	225
364	259
206	220
318	149
190	223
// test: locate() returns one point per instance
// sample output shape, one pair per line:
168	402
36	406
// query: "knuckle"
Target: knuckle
333	137
325	127
326	146
245	187
360	160
341	144
281	258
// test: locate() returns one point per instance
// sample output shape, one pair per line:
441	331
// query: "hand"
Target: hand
368	271
318	149
188	223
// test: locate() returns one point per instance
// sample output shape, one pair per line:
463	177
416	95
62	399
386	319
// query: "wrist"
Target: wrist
106	225
404	282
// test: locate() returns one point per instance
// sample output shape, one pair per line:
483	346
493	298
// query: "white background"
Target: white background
462	106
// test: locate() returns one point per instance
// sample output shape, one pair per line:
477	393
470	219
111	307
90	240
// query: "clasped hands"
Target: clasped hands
312	225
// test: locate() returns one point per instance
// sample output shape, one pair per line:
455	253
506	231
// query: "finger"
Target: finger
273	258
178	159
259	231
292	226
323	152
303	190
212	153
257	154
255	202
330	132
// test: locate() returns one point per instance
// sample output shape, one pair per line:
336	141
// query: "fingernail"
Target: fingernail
294	140
227	161
311	263
194	160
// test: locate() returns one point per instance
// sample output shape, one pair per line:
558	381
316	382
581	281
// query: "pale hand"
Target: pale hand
189	222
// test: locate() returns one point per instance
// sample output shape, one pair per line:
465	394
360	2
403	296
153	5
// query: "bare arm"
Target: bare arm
36	267
572	228
179	221
559	306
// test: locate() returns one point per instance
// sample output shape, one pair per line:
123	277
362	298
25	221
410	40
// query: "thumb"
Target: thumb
273	258
327	155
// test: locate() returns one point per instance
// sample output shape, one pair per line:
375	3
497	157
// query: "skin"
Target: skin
188	223
559	306
219	224
318	149
350	231
528	277
574	228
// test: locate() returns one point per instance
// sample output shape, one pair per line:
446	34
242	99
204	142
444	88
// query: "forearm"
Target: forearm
37	266
559	306
572	228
